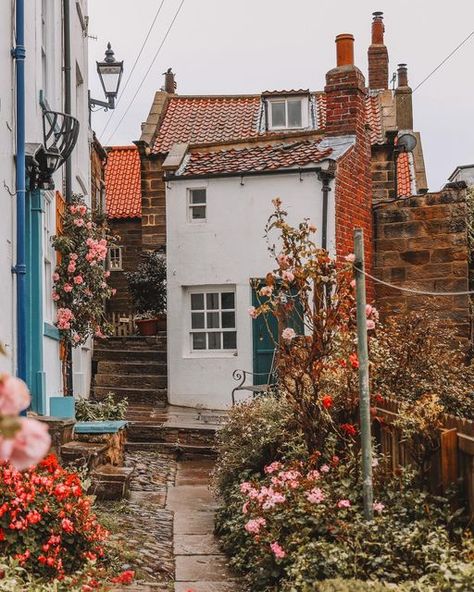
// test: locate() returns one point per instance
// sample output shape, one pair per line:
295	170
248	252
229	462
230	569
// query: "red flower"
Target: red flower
354	360
349	428
125	577
327	401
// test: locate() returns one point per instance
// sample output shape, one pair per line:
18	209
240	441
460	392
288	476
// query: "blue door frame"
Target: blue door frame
35	375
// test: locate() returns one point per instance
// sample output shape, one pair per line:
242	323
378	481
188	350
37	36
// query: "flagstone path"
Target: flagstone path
165	530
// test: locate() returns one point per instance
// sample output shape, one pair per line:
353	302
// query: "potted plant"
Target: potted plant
147	287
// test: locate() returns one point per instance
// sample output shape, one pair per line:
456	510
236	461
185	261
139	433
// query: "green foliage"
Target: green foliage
147	285
108	409
256	434
348	586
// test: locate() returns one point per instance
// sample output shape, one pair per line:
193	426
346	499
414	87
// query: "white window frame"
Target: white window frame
191	205
304	112
208	352
115	266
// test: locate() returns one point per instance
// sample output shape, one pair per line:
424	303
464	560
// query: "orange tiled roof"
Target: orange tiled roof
404	175
259	158
123	182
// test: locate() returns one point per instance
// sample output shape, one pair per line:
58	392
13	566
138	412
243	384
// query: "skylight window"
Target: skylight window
287	113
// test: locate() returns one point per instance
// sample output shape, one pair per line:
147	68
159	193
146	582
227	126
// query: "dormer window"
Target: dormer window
287	113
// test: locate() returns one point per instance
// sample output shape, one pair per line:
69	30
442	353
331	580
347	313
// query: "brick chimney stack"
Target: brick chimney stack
403	100
170	82
345	91
378	55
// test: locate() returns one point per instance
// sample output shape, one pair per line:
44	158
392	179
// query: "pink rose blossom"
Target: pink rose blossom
325	469
14	395
378	507
288	334
245	507
274	466
89	225
312	228
276	202
107	274
77	338
283	260
55	296
315	496
370	324
78	279
79	222
67	288
55	276
71	267
288	276
313	476
350	258
344	503
266	291
29	445
114	291
74	256
254	526
277	550
103	285
73	209
82	210
245	487
353	283
253	312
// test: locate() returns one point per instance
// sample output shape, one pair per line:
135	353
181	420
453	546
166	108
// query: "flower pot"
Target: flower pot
147	327
161	322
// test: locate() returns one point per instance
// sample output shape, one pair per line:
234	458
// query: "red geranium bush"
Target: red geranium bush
46	522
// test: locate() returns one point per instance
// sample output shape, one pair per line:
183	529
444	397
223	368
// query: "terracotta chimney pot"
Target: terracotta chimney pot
378	29
402	72
345	49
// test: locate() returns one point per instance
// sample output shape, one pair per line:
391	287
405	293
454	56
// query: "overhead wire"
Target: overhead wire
146	73
157	14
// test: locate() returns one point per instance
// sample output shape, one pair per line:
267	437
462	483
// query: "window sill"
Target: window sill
207	355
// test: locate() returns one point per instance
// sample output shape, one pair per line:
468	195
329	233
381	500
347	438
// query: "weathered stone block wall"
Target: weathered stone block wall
383	173
130	233
422	243
153	202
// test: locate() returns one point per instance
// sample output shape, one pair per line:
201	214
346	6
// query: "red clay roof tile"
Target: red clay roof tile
259	158
123	182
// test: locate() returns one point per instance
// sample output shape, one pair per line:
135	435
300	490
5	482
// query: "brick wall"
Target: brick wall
422	243
130	234
346	95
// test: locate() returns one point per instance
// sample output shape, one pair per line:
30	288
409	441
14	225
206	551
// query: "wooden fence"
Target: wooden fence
122	324
453	461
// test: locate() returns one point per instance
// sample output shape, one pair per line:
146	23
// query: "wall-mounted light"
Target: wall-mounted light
110	74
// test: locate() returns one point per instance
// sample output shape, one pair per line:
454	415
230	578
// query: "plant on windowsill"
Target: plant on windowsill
147	286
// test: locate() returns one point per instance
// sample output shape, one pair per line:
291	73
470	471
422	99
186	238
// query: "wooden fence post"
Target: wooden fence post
449	457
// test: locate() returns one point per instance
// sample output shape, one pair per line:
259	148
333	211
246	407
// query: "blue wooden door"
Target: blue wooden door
264	339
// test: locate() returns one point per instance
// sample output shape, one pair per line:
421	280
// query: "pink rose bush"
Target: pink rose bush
80	279
23	441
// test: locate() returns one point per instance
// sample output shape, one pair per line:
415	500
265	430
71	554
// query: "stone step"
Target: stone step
146	431
127	355
110	482
134	367
152	381
183	450
91	454
153	397
135	342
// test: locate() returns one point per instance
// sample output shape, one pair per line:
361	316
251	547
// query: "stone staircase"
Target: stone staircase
132	367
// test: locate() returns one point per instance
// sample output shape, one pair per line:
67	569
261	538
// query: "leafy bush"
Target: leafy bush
303	522
108	409
350	586
256	434
46	522
147	285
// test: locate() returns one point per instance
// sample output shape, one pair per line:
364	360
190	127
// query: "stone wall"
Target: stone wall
130	233
422	242
153	201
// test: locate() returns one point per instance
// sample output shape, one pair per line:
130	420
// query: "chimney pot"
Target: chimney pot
402	72
345	49
170	83
378	28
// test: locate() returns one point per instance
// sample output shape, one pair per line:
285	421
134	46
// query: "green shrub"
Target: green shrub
349	586
147	285
256	434
108	409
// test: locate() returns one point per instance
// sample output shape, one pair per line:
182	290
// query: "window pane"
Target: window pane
228	300
214	340
198	196
199	341
228	320
294	114
213	320
198	212
230	340
212	301
197	320
278	114
197	301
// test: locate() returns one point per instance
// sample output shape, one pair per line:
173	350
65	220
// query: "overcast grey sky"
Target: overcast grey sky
247	46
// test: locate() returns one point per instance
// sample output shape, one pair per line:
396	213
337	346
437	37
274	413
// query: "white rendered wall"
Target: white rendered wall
226	250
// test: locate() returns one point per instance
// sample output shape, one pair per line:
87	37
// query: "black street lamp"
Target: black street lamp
110	73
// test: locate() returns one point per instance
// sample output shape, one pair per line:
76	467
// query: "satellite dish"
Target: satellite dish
407	142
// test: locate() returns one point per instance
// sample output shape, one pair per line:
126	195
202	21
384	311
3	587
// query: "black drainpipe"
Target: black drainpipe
325	177
67	86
